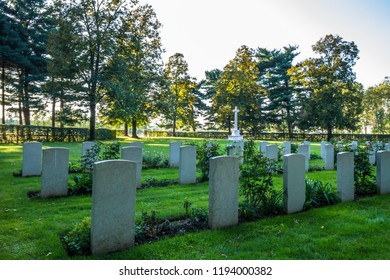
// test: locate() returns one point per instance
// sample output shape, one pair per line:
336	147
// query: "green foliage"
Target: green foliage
154	160
110	151
177	99
273	77
99	151
294	148
204	152
153	183
318	194
77	241
90	157
256	185
364	173
238	86
330	96
82	184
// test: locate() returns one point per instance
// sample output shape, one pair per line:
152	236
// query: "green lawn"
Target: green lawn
30	228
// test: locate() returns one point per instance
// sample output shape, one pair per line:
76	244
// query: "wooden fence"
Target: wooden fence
22	133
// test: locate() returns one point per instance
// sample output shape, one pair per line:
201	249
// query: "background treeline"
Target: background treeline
72	61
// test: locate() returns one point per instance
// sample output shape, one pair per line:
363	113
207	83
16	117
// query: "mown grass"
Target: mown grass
30	228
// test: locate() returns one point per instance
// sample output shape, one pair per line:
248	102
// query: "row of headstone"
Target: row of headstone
272	150
52	164
114	200
114	196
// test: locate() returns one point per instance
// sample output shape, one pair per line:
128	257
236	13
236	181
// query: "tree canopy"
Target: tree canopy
101	60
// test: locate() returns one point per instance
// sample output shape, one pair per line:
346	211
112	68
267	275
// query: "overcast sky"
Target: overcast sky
208	32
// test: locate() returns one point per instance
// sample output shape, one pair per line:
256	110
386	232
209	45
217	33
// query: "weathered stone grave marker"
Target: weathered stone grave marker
187	165
286	147
55	169
263	146
223	191
323	143
329	157
294	182
383	172
87	146
304	150
32	159
345	176
174	154
308	144
271	152
113	206
134	153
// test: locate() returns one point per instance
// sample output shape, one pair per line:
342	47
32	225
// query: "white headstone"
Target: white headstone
294	182
55	169
372	157
187	165
304	150
223	192
87	146
323	143
263	144
237	150
134	153
383	172
354	145
174	154
271	152
286	147
32	159
329	157
307	143
387	147
345	176
113	206
136	144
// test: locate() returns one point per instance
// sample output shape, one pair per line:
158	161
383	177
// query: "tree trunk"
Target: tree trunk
174	127
62	104
92	117
3	93
20	108
126	129
329	134
53	112
26	105
134	127
289	125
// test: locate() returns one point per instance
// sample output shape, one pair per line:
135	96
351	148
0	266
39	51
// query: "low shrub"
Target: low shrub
365	181
77	241
256	185
154	160
82	184
318	194
154	183
205	151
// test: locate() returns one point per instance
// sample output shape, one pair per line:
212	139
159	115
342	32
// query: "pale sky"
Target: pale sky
208	32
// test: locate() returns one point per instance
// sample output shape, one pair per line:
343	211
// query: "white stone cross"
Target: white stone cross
236	118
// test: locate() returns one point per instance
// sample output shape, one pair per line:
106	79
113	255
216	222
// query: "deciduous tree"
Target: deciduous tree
330	97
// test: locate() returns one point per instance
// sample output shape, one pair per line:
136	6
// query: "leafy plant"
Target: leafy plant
154	183
364	173
204	152
82	184
110	151
256	185
318	194
155	160
77	241
89	158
